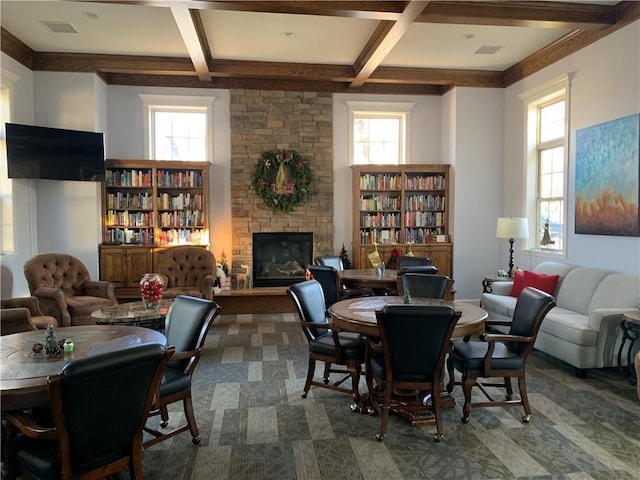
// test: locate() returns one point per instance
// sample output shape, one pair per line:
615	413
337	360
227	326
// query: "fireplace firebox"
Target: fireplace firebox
280	258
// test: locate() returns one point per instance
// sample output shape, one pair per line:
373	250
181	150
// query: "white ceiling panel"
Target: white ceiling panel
258	36
118	29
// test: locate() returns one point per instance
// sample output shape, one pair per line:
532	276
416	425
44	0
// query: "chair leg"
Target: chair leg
311	370
451	373
437	412
522	386
327	372
467	385
164	416
508	387
191	419
386	405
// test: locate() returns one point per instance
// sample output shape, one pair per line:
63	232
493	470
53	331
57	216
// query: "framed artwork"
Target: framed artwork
607	178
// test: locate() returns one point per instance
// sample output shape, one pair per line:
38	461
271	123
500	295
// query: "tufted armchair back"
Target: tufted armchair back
188	270
64	289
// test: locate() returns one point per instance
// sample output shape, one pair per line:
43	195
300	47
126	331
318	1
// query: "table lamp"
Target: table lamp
512	228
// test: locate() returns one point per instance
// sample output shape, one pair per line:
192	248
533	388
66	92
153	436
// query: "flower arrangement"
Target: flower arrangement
282	179
223	262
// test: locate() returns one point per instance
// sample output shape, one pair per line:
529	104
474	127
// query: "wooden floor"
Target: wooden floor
255	300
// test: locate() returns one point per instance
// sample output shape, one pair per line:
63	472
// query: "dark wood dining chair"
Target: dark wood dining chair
186	326
412	261
409	355
332	287
329	261
99	406
326	344
498	355
424	285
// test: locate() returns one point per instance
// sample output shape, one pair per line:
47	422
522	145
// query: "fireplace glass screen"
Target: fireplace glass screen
280	258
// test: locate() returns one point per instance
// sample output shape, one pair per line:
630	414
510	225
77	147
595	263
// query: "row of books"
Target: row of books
140	201
188	218
424	202
422	235
137	237
424	219
379	181
380	220
129	219
181	201
379	202
128	178
379	236
186	179
428	182
182	236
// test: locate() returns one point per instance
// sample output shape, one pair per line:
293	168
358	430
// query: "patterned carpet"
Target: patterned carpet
254	425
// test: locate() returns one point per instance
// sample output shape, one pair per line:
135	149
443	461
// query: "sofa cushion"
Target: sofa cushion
617	290
502	305
570	326
541	281
578	288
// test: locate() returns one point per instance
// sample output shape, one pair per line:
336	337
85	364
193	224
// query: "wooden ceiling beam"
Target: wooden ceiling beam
583	16
384	38
194	39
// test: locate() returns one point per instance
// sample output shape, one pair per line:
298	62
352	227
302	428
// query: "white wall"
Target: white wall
69	219
605	85
126	141
12	281
424	147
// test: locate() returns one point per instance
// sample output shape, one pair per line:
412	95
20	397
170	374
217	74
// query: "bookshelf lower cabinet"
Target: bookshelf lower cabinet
125	266
441	254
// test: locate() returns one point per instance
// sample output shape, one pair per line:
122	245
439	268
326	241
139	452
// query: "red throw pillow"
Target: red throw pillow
518	283
541	281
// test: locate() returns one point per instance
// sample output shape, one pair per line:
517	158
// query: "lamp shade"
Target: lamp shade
512	227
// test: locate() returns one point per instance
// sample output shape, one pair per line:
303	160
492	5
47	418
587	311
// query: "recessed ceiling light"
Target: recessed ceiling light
288	34
469	36
90	15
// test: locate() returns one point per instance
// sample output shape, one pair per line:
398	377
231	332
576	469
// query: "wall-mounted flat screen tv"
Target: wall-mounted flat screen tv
54	153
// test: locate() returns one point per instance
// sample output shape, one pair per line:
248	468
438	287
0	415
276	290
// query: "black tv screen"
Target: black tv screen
54	153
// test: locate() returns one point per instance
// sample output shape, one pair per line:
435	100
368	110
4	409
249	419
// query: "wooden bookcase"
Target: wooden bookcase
404	207
147	206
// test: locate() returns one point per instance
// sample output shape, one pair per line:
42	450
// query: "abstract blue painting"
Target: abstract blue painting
608	178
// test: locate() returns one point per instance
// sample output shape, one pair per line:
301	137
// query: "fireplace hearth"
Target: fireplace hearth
280	258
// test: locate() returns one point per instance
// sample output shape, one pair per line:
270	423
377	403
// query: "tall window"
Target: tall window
177	128
547	166
378	132
7	237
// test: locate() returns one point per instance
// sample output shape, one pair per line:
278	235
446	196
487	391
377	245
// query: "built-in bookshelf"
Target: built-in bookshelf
403	207
149	205
155	202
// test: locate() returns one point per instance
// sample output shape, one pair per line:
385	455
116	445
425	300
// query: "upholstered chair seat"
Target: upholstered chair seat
187	270
64	289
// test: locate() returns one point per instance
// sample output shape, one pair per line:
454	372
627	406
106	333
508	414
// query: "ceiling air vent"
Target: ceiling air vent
60	27
486	50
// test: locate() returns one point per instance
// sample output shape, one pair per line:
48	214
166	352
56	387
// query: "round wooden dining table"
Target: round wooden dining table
368	278
359	314
23	373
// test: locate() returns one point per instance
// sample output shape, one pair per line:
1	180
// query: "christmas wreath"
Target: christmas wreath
282	179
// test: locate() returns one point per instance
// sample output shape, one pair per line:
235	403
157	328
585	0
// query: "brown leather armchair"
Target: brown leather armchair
62	284
187	270
22	314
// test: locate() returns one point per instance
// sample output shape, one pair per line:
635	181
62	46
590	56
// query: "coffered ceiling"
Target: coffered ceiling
416	47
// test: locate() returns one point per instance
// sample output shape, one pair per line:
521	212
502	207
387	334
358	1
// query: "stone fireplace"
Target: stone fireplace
280	258
268	120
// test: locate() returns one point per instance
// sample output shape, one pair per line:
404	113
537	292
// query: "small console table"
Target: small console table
630	331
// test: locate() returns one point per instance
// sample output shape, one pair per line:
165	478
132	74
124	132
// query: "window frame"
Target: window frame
8	243
389	110
548	94
176	103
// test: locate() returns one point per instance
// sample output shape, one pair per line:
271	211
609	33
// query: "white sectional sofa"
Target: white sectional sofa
583	329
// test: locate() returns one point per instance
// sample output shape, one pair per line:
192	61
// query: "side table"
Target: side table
630	326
